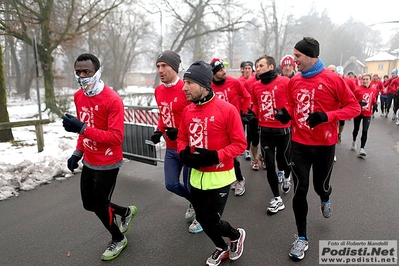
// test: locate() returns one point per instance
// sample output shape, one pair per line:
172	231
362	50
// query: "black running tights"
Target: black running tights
209	206
96	187
321	160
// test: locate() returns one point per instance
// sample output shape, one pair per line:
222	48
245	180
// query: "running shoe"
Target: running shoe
276	204
262	160
354	146
299	247
240	188
280	176
126	222
326	209
247	155
286	185
190	213
114	249
217	256
362	152
195	227
237	246
234	185
255	165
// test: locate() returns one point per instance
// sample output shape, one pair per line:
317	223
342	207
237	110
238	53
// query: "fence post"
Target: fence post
39	137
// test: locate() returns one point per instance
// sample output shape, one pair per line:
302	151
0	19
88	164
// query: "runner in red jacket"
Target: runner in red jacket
100	124
366	96
253	128
395	89
210	137
232	91
377	85
314	100
269	94
171	102
391	91
384	95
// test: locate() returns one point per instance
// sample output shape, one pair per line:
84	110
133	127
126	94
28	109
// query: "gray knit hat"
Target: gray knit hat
171	58
200	73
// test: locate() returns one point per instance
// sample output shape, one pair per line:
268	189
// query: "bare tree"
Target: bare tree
197	19
119	40
275	32
6	134
54	22
27	69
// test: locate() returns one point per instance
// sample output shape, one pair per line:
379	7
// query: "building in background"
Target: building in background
382	63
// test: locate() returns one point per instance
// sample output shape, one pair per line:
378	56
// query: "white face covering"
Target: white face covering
91	86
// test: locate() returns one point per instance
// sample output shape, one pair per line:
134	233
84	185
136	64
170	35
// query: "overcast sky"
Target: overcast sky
369	13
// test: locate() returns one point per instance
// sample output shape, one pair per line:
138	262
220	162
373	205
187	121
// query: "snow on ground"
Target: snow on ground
22	167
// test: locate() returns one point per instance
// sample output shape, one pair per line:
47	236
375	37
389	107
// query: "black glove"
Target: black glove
316	118
249	116
362	103
73	162
156	137
189	159
71	123
206	157
200	158
282	115
171	132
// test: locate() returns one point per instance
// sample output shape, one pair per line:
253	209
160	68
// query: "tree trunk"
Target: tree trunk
17	67
5	135
46	60
29	72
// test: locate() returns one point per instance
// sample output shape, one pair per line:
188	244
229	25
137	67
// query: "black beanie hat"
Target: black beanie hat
308	46
200	73
171	58
216	65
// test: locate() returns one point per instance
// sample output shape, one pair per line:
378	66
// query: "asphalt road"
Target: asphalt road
48	225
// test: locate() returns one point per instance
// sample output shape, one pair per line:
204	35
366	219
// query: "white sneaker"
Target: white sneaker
190	213
247	155
240	188
276	204
354	146
362	152
286	185
335	158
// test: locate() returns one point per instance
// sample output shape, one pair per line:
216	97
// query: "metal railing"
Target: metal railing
140	123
